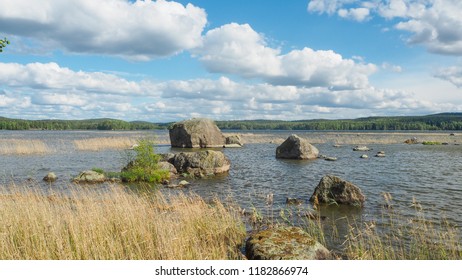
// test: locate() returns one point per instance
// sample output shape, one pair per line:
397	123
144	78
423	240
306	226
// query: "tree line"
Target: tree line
444	121
93	124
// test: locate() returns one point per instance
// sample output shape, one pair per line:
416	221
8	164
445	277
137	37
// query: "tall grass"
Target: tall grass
104	143
114	224
396	237
23	147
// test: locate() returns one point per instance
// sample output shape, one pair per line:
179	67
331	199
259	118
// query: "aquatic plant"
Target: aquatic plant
431	143
23	147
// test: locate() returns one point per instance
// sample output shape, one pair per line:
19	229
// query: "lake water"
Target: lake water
432	175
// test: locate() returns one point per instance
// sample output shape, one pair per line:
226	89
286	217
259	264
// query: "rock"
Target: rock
168	157
412	140
330	158
89	176
233	141
196	133
201	163
361	148
364	156
183	183
285	243
164	165
50	177
295	147
332	189
380	154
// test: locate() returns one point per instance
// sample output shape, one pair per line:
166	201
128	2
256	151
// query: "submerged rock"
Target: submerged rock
285	243
90	176
203	163
196	133
295	147
380	154
332	189
361	148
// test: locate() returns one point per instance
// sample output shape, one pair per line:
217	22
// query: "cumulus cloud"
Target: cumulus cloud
436	24
66	94
52	76
240	50
358	14
137	30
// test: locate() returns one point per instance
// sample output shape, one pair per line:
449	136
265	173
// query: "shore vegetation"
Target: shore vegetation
115	224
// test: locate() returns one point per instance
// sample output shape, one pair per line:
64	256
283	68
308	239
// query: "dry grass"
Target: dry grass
398	238
23	147
115	224
105	143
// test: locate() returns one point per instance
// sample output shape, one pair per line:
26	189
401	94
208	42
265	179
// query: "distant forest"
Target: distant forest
443	121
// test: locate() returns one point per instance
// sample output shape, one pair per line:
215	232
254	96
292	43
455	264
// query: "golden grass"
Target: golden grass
105	143
114	224
23	147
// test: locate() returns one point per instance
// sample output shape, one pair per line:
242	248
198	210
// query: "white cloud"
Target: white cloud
436	24
328	6
140	30
452	74
66	94
358	14
238	49
393	68
52	76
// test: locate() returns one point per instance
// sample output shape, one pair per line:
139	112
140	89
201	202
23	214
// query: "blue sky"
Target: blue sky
165	61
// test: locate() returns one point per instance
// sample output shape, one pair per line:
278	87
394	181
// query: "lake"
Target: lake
430	175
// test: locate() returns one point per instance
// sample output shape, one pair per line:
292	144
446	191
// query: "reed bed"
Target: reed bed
113	224
105	143
23	147
350	138
395	237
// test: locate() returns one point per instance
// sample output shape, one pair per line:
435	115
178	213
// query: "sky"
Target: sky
163	61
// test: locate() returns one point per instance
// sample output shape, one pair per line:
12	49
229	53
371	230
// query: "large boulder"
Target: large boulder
203	163
332	189
90	176
296	148
196	133
285	243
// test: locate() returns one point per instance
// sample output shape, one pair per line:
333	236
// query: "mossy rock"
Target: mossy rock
203	163
90	177
285	243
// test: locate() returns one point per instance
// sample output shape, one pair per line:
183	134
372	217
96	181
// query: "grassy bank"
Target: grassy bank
114	224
